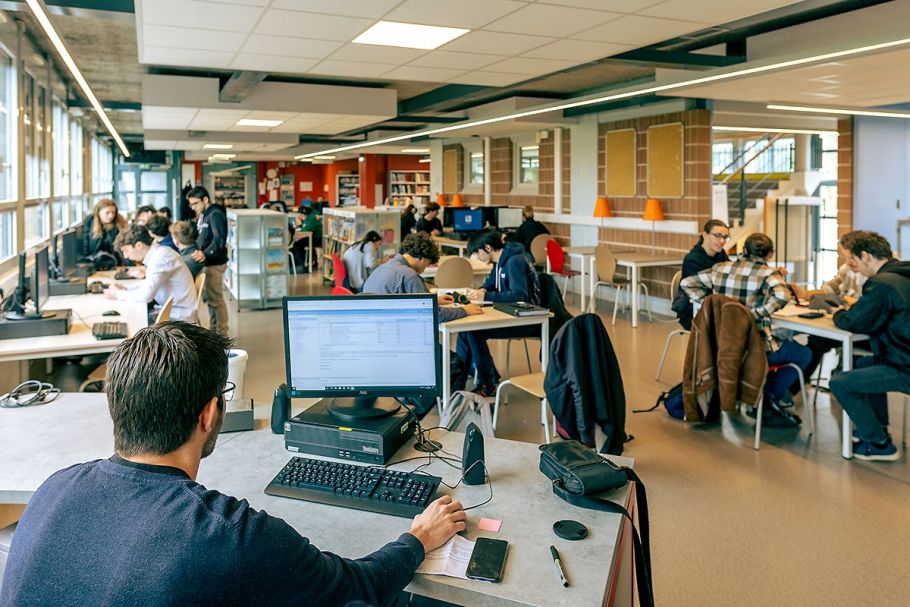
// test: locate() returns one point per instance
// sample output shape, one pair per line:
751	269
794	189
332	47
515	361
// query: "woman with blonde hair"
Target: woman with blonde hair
102	228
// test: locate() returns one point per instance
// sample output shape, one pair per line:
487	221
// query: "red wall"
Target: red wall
407	162
332	170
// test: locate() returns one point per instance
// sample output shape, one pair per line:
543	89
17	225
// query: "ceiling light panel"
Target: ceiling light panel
415	150
470	14
258	122
409	35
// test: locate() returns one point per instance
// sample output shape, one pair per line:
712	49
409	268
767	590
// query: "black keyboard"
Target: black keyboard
110	330
360	487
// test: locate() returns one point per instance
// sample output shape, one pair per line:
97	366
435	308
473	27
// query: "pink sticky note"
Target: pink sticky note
489	524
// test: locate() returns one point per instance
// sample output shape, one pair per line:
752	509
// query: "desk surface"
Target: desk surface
479	267
77	428
491	319
87	309
629	258
822	327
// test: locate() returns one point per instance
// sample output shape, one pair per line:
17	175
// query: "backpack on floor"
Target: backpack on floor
672	400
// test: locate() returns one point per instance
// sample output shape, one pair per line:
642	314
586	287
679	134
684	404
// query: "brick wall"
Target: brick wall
844	177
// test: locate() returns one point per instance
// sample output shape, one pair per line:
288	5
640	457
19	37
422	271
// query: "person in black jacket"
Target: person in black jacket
102	228
708	251
883	313
211	227
529	229
512	279
408	221
430	222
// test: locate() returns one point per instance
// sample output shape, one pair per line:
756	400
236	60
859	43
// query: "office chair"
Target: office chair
454	273
557	258
539	249
605	264
674	287
338	270
341	291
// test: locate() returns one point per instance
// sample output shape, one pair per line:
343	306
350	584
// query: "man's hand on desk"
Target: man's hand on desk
473	309
441	520
445	299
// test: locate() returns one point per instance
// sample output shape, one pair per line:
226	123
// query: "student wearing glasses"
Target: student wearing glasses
709	250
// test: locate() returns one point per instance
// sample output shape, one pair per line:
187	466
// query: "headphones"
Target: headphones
31	392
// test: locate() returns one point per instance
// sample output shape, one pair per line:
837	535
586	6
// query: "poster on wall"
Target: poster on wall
665	160
306	186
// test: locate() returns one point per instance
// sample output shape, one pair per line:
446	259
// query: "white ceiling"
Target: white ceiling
509	41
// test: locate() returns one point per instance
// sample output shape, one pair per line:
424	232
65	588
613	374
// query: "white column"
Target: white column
487	185
583	150
557	170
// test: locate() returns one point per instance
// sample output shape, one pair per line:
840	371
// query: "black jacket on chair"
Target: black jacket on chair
584	383
551	299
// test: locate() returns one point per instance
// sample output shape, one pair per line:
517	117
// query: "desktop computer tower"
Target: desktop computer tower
57	322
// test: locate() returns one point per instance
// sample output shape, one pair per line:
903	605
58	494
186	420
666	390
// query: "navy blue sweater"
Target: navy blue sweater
513	278
112	532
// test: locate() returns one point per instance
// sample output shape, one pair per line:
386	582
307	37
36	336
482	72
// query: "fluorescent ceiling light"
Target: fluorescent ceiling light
415	151
839	111
38	9
660	88
424	160
530	147
217	146
752	129
257	122
224	155
409	35
323	158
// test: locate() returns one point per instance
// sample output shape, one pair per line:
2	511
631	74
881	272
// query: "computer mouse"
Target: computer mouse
110	313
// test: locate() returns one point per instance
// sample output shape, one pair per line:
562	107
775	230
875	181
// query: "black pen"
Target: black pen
562	575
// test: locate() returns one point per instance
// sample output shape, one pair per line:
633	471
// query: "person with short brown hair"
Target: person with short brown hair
184	235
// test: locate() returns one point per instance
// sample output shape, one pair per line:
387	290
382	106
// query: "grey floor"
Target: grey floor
791	524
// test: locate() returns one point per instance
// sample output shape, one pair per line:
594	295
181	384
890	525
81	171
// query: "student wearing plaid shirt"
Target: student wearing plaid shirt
763	290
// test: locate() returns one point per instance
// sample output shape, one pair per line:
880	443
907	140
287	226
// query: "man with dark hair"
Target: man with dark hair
166	213
159	227
211	229
430	222
143	214
166	276
529	229
883	313
763	290
401	274
512	279
136	529
184	235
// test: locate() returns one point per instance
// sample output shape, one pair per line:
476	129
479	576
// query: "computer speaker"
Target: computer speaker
281	408
473	467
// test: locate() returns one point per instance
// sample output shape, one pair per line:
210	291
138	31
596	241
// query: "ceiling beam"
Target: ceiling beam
678	59
114	106
239	85
441	98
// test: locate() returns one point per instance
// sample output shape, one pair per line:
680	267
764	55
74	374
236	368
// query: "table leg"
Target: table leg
592	274
583	303
634	295
847	436
446	370
544	344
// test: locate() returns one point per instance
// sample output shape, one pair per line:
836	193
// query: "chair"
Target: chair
338	270
336	290
454	273
674	287
200	289
557	258
291	258
807	407
164	314
605	264
539	249
531	383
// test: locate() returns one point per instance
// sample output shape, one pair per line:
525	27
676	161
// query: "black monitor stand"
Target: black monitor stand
362	408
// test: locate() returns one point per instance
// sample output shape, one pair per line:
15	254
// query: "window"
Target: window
7	233
28	121
61	142
36	223
779	158
126	190
529	164
77	186
476	165
8	145
41	151
721	156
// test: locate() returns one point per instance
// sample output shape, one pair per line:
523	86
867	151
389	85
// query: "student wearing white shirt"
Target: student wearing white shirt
166	275
361	258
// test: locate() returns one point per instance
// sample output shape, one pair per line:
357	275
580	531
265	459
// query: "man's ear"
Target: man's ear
209	415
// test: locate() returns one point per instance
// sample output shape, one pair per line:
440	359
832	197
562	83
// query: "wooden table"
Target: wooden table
459	245
635	261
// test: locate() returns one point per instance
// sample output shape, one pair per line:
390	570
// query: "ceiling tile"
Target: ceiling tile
196	58
352	68
311	25
547	20
352	8
191	38
618	6
425	74
270	115
214	16
577	51
449	59
471	14
290	47
488	79
712	11
495	43
220	114
528	66
637	31
370	53
273	63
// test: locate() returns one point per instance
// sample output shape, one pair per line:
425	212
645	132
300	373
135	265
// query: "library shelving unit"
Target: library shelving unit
257	269
409	187
346	186
342	227
287	190
230	190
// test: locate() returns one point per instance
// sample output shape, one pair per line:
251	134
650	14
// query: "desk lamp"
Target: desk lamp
441	199
602	209
457	201
653	213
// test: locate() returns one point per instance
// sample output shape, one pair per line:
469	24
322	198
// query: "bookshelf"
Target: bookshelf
230	190
257	269
346	188
409	187
341	227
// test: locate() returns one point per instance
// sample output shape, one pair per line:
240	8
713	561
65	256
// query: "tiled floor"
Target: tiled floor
791	524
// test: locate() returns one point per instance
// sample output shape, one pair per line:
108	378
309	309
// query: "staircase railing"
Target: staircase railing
741	172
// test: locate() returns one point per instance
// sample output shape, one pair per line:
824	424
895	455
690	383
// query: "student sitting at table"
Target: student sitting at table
529	229
184	235
512	279
401	274
762	289
883	313
143	214
309	220
361	258
137	529
708	251
165	275
430	222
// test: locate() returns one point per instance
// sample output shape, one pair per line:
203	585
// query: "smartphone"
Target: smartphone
488	559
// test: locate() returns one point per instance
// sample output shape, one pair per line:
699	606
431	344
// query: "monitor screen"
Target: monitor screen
363	346
40	288
68	253
467	220
508	218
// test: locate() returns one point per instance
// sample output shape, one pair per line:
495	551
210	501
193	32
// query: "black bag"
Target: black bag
577	473
672	400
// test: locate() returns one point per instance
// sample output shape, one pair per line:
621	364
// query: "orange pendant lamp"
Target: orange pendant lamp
602	208
441	199
457	201
653	213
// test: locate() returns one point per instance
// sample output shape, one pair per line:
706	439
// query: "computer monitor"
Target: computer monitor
68	252
489	215
357	349
40	280
467	220
508	218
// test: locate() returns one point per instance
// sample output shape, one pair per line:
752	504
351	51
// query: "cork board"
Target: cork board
450	171
665	161
620	165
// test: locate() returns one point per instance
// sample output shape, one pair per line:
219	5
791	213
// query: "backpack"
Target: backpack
672	400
